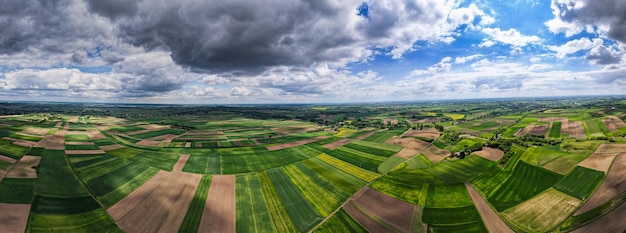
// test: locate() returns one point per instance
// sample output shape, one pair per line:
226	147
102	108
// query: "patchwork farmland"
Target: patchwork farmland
456	167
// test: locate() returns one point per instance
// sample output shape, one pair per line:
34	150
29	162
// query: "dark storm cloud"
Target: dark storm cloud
113	8
609	12
603	56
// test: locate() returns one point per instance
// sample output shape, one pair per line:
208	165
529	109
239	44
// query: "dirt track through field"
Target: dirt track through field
219	213
14	217
492	220
337	144
164	208
181	162
24	167
490	153
297	143
377	204
614	184
611	222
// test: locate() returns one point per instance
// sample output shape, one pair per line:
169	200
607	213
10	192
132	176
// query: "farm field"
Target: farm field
447	167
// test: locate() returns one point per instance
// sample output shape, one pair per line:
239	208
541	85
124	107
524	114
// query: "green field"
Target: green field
192	219
555	131
300	210
580	183
556	161
56	177
163	161
340	222
77	138
17	190
281	219
458	171
383	136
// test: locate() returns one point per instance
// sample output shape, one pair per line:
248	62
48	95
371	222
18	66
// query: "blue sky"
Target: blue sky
295	51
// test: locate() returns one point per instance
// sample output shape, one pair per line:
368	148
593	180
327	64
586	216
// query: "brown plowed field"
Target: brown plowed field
377	204
14	217
147	143
73	119
164	208
24	143
611	148
337	144
614	184
431	133
53	142
110	147
122	207
525	130
370	224
599	161
611	222
219	213
613	123
84	152
36	131
7	159
66	126
492	220
539	130
24	167
2	174
412	146
435	157
298	143
181	162
58	124
490	153
574	129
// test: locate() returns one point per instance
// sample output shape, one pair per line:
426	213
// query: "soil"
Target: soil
297	143
611	148
490	153
431	133
614	184
53	142
181	162
574	129
14	217
147	143
110	147
24	167
599	161
377	203
164	208
435	154
7	159
219	213
24	143
492	220
337	144
412	146
613	123
611	222
79	143
368	223
84	152
539	130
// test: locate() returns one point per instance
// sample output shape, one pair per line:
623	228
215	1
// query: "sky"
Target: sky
309	51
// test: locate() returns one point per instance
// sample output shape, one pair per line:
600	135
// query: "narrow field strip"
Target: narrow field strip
490	217
219	213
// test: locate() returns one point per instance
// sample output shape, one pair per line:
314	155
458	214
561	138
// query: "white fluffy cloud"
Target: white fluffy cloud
511	37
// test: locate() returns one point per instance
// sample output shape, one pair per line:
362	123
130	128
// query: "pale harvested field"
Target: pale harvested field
203	133
110	147
611	222
53	142
14	217
73	119
364	136
337	144
431	133
613	123
24	143
7	116
181	162
155	127
95	135
542	212
435	154
36	131
59	124
79	143
552	119
614	184
188	144
164	208
411	146
599	161
368	223
574	129
297	143
492	220
10	139
84	152
219	213
428	120
611	148
66	126
377	203
163	137
490	153
24	167
7	159
147	143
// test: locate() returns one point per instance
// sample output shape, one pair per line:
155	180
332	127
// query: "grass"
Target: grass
93	221
371	150
125	129
419	162
56	178
408	185
13	151
81	147
383	136
367	163
56	205
448	196
593	129
127	187
91	172
203	164
124	153
17	190
542	213
555	131
389	164
580	183
458	171
340	222
301	212
25	137
280	217
192	219
557	161
525	182
163	161
451	216
358	172
77	138
378	145
108	182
